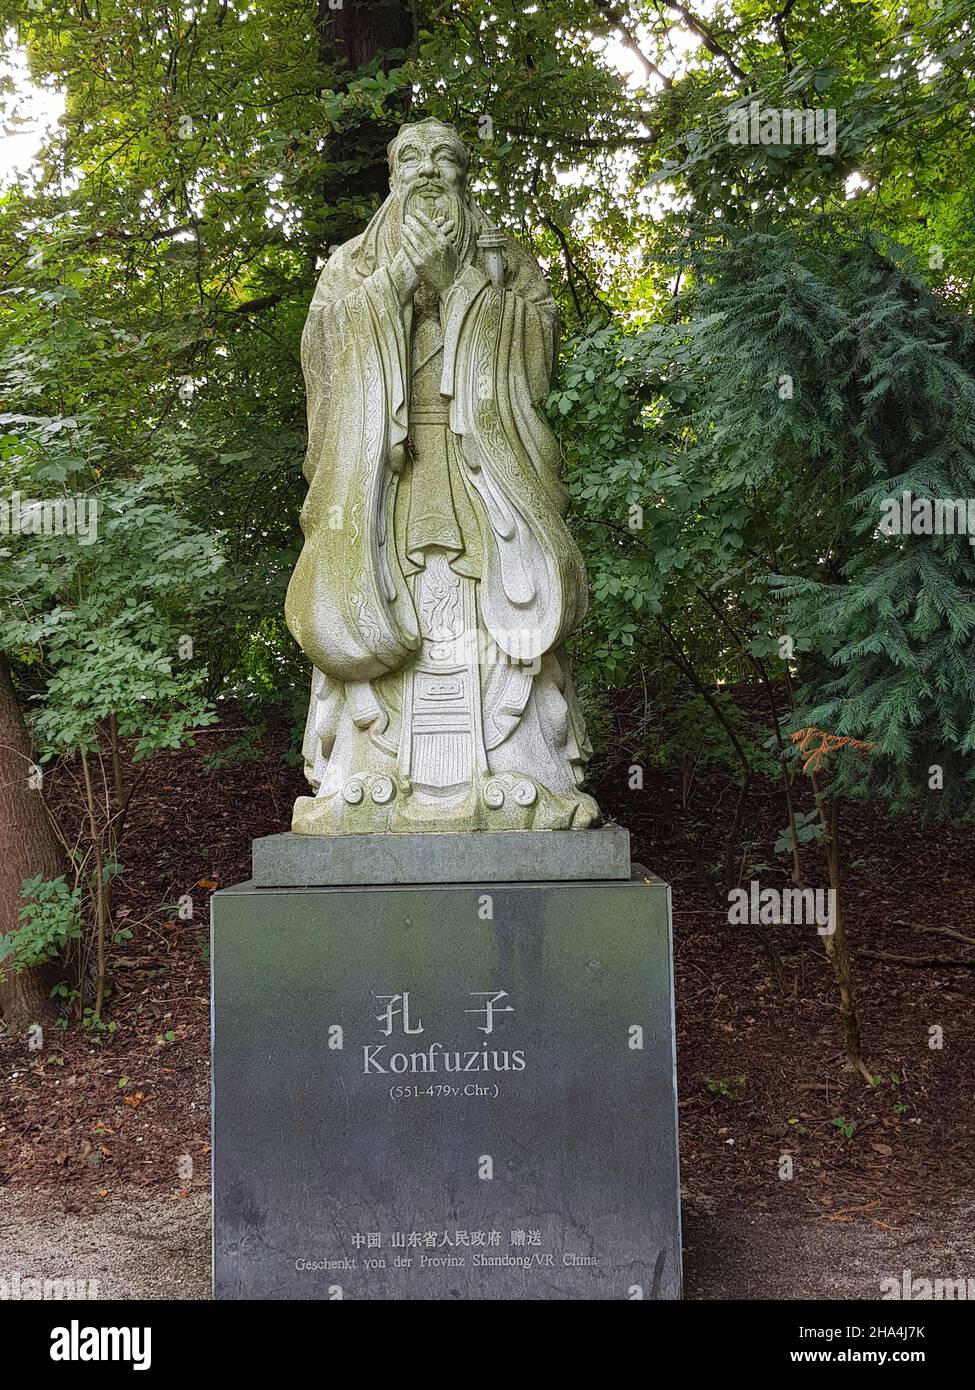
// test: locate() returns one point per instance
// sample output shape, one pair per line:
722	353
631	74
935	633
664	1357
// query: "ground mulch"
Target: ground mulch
761	1071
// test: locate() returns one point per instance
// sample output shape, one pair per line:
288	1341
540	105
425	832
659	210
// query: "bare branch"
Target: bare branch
707	37
616	20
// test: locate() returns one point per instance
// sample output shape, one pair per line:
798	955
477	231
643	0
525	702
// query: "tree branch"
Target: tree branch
254	306
616	20
707	37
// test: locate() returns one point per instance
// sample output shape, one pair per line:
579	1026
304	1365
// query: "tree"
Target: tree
28	847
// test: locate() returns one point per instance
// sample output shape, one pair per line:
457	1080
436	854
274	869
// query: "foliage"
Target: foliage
48	922
752	447
764	342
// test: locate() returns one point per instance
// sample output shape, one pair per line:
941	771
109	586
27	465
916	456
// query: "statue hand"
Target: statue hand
405	276
431	250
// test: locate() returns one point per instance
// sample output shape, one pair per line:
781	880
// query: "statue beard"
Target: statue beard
443	206
440	203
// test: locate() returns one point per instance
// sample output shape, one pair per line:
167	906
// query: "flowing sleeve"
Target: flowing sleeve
348	605
499	355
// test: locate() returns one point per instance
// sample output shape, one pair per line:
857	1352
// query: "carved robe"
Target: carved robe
437	580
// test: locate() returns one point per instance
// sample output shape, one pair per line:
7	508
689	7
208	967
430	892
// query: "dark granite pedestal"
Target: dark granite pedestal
459	1091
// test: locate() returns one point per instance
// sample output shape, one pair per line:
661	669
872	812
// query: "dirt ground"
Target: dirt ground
131	1245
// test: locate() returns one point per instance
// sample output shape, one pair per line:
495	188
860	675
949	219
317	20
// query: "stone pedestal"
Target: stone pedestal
516	856
459	1091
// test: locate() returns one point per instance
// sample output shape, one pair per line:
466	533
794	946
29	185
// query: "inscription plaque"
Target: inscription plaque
456	1091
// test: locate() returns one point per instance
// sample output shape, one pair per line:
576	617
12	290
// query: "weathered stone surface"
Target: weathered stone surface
282	861
470	1085
438	581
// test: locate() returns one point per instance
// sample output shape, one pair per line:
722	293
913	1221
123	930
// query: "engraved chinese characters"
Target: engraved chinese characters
438	581
433	1057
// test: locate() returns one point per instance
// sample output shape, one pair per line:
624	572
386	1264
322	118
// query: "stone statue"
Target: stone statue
438	581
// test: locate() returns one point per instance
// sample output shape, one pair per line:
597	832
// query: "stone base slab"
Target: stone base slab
516	856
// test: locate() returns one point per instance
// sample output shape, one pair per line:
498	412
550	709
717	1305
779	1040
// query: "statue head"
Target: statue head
428	162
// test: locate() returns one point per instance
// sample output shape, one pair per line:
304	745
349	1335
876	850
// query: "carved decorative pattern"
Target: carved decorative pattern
353	791
525	793
494	795
383	790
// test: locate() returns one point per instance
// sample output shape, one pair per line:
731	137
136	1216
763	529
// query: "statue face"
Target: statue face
429	166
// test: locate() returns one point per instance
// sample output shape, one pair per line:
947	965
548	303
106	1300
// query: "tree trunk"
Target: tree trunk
28	847
837	951
364	31
349	38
